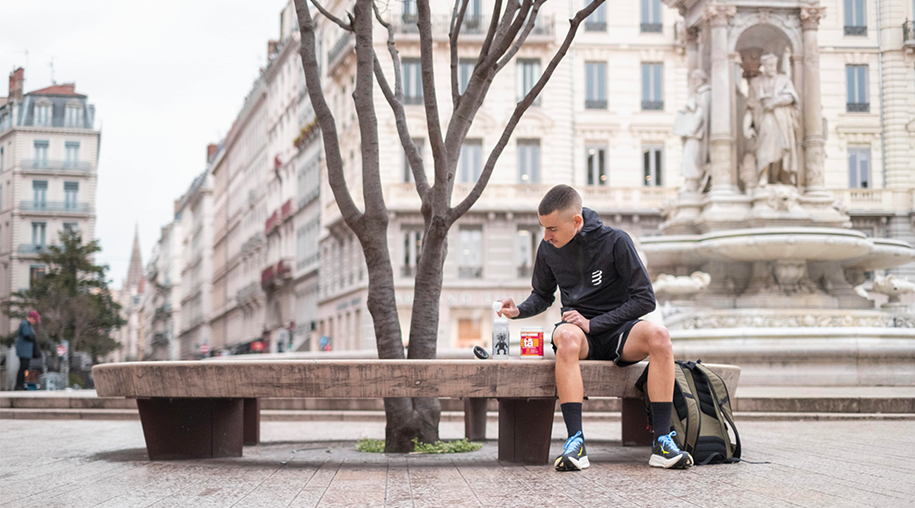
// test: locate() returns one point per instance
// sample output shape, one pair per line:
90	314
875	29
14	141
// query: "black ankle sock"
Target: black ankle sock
571	414
660	418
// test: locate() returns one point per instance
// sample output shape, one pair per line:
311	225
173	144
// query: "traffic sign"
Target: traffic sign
61	350
204	348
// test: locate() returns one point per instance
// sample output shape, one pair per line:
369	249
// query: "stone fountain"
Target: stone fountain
753	211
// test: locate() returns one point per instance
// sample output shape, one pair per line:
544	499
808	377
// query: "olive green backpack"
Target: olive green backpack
701	414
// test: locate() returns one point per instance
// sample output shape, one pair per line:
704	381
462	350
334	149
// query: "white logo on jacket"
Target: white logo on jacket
597	277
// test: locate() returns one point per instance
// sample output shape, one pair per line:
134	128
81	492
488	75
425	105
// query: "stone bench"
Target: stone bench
211	409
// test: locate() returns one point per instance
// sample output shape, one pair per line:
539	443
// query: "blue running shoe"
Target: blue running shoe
574	457
666	454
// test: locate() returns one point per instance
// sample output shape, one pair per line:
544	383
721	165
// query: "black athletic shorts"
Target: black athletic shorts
606	345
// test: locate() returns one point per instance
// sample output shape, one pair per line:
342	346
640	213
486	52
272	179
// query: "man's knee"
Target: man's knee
659	341
568	340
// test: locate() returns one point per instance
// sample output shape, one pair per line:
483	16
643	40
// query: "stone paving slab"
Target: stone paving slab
313	464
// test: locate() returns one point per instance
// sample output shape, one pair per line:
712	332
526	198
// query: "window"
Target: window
39	194
595	85
74	115
465	70
43	113
597	21
407	171
473	18
597	169
470	163
652	99
38	230
528	242
36	273
41	154
528	161
470	264
856	83
1	159
855	22
859	168
651	16
71	227
412	248
71	189
1	197
412	81
409	11
651	163
528	74
72	153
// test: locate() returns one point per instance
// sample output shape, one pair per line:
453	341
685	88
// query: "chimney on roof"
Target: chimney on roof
16	79
271	48
211	152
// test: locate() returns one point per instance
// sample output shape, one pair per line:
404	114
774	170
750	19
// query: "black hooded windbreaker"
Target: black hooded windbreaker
599	274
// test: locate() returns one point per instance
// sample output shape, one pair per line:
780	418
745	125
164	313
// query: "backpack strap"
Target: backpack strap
722	404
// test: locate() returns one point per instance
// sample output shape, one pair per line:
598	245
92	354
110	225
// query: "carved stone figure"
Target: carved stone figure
772	119
892	287
691	124
678	286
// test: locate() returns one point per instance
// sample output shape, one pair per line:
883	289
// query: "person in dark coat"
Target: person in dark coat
26	346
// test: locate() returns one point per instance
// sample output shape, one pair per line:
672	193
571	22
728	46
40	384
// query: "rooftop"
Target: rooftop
68	89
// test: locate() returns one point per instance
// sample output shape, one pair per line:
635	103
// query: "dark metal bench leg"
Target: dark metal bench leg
525	426
252	425
192	428
635	423
475	418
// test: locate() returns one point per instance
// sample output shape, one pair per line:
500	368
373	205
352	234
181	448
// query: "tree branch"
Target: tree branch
457	19
336	177
491	33
433	123
342	24
503	42
531	21
456	212
395	100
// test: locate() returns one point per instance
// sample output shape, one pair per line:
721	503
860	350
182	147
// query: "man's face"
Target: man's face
560	226
31	321
769	67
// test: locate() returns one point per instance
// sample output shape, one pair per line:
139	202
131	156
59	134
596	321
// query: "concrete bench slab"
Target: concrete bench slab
210	409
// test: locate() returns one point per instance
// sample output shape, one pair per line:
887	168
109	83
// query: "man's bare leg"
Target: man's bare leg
571	346
653	341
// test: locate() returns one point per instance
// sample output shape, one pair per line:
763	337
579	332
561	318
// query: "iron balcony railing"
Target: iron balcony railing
652	105
31	248
346	41
596	104
855	30
595	26
908	33
858	107
54	206
470	272
55	165
654	28
472	25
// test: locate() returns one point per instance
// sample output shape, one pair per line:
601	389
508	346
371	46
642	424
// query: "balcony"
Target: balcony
908	34
246	293
345	44
163	311
474	27
651	28
286	210
858	107
276	275
42	165
29	248
855	30
652	105
408	271
271	222
470	272
53	206
595	26
875	200
596	104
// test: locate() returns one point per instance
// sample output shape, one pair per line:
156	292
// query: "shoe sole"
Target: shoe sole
682	461
563	463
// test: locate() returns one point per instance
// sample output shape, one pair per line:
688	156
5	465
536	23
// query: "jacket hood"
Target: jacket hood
592	221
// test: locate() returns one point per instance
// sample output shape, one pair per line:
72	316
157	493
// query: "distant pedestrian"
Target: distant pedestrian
26	346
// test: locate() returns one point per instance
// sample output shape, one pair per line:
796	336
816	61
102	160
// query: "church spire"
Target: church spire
135	273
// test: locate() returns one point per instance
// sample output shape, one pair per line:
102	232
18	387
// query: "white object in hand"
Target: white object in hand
497	306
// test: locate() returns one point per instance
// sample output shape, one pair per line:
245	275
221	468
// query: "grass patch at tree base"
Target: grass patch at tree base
460	446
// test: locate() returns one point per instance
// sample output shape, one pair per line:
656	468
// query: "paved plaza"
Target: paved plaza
72	464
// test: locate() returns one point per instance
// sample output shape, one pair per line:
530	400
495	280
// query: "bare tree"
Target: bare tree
511	23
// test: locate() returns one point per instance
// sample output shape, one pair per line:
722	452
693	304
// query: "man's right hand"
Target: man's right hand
509	309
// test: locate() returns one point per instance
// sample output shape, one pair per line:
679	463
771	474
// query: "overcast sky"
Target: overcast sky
166	77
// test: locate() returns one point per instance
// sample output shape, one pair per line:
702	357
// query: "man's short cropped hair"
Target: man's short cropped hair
560	197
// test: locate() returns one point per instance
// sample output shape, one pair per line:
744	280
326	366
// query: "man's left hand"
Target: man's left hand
577	319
